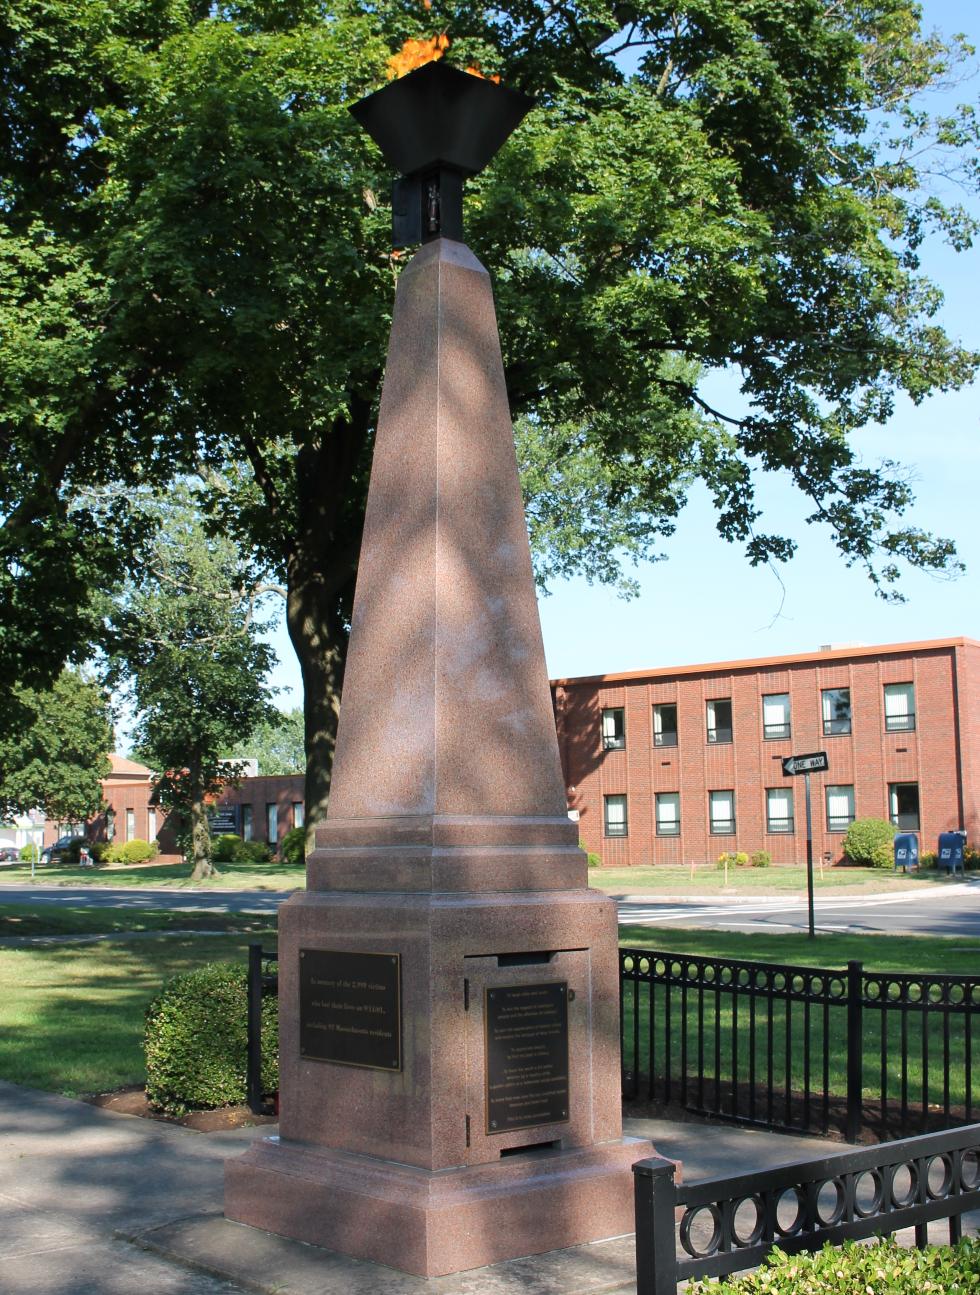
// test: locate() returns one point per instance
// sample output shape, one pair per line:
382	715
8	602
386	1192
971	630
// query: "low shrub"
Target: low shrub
971	857
227	849
255	852
195	1040
27	853
595	860
883	855
733	858
761	859
862	837
928	859
853	1269
292	848
135	851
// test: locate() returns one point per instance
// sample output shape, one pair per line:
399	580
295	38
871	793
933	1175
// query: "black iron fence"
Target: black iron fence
263	979
807	1049
729	1224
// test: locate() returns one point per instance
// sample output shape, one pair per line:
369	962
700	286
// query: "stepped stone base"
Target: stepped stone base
435	1223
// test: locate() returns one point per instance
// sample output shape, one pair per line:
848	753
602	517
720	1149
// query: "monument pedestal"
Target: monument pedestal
448	984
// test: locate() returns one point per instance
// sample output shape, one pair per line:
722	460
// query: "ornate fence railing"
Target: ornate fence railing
803	1048
711	1229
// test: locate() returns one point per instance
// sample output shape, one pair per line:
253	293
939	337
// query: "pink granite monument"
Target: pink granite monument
449	988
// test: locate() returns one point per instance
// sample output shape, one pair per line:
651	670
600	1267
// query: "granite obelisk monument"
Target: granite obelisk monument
449	1020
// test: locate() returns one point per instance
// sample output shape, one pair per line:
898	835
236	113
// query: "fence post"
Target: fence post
253	1073
855	1050
654	1200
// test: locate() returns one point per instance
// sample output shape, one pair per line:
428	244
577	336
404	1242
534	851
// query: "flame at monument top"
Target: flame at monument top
416	53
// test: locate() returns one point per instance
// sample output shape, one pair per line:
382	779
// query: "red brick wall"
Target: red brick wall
283	791
869	758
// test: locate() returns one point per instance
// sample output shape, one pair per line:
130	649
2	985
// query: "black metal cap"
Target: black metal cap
438	116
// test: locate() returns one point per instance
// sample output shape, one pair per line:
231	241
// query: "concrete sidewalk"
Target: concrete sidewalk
98	1203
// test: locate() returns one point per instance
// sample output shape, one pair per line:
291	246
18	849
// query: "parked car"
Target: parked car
9	854
65	850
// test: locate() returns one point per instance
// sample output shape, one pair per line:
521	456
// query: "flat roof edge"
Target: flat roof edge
770	662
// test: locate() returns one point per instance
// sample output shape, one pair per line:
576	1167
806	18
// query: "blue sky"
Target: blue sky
705	603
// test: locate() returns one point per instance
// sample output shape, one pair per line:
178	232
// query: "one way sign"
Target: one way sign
813	763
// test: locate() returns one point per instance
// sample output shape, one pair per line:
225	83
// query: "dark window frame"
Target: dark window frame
790	821
669	738
722	826
617	830
829	725
716	733
899	723
618	741
897	818
839	822
776	732
673	828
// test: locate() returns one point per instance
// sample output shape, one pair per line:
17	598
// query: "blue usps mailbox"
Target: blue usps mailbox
906	850
950	854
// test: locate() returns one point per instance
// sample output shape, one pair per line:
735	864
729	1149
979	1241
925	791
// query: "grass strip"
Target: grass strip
71	1018
231	876
79	919
706	879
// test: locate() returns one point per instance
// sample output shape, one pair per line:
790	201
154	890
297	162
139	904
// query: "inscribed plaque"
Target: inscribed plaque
526	1055
350	1008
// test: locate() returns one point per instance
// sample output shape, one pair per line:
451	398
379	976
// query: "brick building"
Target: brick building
678	765
262	808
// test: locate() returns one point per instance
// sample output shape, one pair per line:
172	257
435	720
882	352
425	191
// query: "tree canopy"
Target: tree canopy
57	758
276	743
185	641
195	274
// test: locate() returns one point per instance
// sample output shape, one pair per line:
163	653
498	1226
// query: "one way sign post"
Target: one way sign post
815	762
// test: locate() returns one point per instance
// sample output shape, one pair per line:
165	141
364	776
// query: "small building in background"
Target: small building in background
682	764
262	808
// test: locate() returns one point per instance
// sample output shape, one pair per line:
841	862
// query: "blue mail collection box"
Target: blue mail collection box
906	850
950	854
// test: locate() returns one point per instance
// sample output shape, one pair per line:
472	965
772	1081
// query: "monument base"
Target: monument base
434	1223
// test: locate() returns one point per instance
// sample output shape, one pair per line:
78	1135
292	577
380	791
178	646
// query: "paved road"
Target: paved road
946	910
941	910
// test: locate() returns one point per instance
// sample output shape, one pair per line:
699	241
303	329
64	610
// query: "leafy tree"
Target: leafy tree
186	642
277	744
57	761
196	272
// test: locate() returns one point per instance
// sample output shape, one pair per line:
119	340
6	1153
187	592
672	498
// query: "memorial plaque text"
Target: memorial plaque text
350	1008
526	1055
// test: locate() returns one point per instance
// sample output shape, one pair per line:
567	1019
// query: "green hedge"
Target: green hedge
882	1268
196	1039
863	840
227	849
292	848
134	851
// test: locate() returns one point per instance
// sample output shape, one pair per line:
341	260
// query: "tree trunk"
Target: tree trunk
200	832
318	631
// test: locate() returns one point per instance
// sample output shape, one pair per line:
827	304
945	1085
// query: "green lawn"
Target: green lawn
231	876
71	1016
706	879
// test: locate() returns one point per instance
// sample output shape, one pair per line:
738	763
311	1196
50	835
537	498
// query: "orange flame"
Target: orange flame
415	53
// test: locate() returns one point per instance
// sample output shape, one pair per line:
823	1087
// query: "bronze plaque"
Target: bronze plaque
350	1008
527	1055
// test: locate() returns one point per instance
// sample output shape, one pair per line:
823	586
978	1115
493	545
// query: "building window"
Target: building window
665	725
840	808
613	728
614	816
299	816
835	705
719	714
721	810
899	707
668	813
247	828
272	824
775	715
151	825
903	805
130	824
779	809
